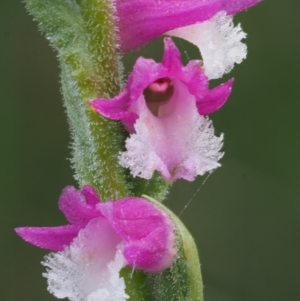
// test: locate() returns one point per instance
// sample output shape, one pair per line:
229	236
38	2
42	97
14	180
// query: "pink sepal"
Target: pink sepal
116	109
215	98
91	195
51	238
79	206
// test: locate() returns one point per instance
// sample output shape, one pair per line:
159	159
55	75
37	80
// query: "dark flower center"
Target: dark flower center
158	93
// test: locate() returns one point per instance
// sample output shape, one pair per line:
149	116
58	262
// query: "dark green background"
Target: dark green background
245	218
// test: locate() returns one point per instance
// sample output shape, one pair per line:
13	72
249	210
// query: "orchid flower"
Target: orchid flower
101	239
162	107
205	23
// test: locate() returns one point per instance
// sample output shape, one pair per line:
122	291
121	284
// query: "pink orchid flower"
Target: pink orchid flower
100	240
162	107
205	23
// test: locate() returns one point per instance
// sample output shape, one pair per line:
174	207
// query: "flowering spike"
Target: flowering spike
168	134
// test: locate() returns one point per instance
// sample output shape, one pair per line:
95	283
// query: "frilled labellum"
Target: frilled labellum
219	42
163	107
101	239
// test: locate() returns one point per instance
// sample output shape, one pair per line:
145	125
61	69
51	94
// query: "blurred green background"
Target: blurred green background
245	218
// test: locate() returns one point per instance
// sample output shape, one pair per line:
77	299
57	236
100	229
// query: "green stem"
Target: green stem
83	34
157	187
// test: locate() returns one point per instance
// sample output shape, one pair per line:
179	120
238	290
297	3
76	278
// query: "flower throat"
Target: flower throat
158	93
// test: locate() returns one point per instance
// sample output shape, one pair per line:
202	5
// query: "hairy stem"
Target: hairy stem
84	36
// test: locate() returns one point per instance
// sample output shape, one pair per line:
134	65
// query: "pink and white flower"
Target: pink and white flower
162	107
205	23
101	239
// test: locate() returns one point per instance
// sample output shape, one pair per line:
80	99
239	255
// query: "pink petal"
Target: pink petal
51	238
172	58
147	232
91	195
73	204
141	21
153	253
132	212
